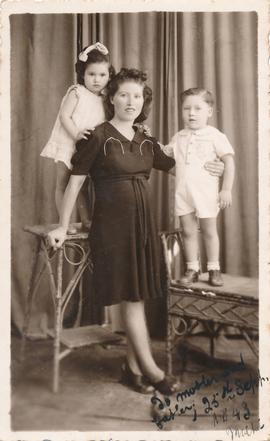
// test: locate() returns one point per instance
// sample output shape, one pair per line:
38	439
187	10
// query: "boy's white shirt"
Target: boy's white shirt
219	139
191	149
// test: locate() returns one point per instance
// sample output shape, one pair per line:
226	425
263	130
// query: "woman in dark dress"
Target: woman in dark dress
123	236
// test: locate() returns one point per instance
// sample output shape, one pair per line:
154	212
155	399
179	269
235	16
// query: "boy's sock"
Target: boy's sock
193	265
211	266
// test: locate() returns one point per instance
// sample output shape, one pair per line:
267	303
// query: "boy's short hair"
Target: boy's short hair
205	94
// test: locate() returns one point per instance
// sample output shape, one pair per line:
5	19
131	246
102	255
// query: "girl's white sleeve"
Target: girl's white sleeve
170	148
74	88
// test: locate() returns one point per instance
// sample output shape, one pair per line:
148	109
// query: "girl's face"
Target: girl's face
195	112
128	101
96	76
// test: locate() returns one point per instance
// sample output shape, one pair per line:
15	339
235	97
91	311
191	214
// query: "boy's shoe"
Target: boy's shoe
215	278
190	276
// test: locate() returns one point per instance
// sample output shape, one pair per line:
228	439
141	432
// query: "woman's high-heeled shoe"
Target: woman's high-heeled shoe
167	386
137	382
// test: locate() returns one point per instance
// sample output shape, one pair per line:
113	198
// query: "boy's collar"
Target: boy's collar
202	131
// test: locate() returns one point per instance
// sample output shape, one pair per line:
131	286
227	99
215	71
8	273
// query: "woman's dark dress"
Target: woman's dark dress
123	236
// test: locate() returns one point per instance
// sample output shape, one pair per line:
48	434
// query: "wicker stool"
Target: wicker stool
234	304
74	337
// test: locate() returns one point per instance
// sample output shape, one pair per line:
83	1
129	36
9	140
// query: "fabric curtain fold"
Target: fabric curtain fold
42	68
179	50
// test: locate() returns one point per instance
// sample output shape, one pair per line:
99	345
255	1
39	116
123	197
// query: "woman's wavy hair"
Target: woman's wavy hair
95	56
121	77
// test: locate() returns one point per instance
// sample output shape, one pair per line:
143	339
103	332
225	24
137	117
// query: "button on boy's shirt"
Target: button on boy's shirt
191	149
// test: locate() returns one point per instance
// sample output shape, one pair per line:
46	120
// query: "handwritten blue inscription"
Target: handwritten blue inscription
227	390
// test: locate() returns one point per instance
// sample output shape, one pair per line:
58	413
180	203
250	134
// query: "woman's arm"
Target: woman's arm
215	168
161	160
56	237
169	151
65	116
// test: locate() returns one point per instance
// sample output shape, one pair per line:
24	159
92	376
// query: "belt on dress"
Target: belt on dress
139	191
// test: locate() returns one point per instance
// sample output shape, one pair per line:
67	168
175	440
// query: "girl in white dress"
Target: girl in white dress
80	111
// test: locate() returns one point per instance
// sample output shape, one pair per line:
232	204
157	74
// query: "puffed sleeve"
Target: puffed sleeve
85	155
222	145
161	161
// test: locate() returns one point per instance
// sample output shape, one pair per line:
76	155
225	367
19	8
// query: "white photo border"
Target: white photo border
262	7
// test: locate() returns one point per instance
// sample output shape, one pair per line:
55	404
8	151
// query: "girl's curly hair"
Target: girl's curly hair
95	56
113	85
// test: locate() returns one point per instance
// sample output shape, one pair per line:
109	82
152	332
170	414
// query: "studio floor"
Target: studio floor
91	398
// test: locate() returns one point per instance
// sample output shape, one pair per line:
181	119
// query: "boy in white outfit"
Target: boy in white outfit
197	193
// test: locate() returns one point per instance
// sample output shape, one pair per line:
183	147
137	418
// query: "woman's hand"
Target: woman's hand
83	134
56	237
225	198
215	168
143	128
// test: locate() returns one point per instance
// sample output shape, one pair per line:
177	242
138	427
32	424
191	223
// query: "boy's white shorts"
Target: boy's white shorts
203	201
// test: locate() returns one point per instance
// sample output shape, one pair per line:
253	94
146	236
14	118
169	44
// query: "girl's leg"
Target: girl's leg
211	243
190	238
62	178
83	205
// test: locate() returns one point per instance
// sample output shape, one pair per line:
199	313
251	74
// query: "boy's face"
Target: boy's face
195	112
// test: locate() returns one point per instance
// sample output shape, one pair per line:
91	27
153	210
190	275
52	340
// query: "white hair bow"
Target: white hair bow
99	46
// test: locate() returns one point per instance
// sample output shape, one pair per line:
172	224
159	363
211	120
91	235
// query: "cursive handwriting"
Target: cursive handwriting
239	387
170	414
213	404
236	413
248	430
208	381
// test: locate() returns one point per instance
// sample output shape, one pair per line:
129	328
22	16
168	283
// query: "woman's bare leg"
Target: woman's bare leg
135	326
132	360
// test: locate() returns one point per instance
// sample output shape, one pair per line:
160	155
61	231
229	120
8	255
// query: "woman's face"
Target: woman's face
128	101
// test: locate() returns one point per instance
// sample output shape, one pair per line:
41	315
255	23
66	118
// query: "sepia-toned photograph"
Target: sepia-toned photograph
136	306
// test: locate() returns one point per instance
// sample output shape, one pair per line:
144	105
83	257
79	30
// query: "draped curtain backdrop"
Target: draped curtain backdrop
217	51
